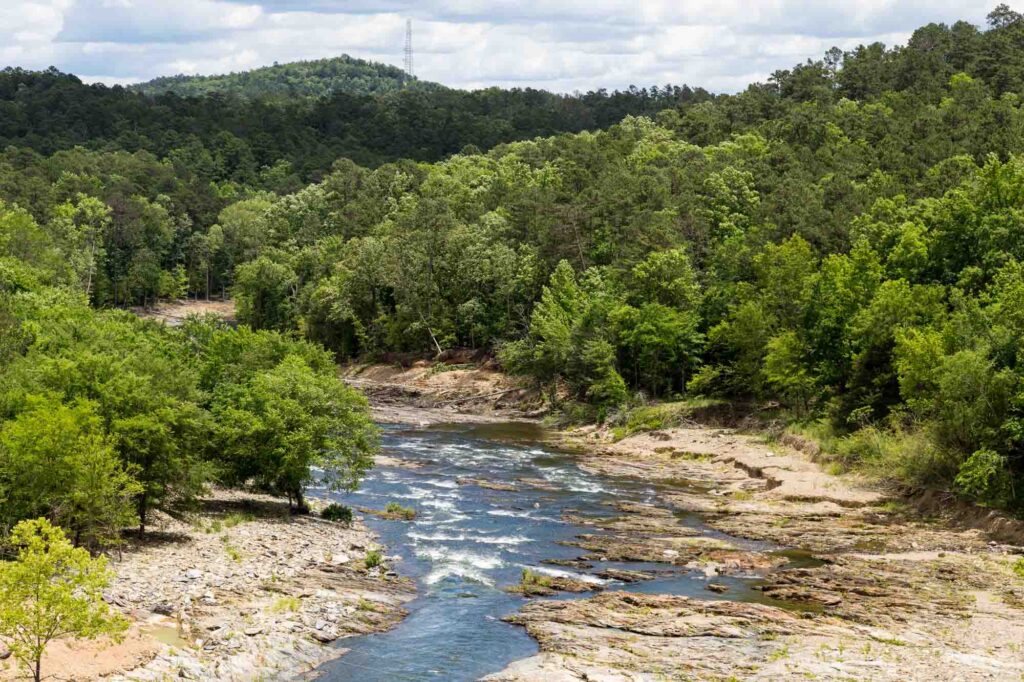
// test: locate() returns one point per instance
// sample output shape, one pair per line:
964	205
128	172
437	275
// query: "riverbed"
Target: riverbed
492	500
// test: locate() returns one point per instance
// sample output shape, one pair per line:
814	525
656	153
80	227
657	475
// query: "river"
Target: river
468	542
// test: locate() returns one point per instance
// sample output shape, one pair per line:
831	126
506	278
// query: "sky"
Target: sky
562	46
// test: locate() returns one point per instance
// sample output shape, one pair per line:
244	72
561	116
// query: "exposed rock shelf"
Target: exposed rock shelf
244	591
889	594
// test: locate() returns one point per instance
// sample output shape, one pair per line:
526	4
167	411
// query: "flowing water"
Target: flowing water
469	542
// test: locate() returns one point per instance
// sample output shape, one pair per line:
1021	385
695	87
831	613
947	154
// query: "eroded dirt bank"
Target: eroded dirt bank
883	594
242	591
429	393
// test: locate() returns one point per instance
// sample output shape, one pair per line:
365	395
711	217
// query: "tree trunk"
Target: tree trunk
142	509
300	503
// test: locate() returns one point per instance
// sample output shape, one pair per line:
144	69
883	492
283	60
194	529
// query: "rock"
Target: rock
325	636
193	574
253	631
5	652
623	575
716	587
340	558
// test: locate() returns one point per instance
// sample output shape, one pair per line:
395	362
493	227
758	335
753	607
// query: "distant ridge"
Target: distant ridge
316	78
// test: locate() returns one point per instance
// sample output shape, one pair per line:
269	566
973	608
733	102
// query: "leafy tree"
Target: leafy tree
55	461
52	590
282	422
785	370
264	292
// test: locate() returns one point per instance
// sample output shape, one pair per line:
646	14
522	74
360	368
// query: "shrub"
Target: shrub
984	477
909	456
373	558
337	512
396	510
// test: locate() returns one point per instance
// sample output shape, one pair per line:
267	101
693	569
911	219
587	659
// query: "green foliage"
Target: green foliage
844	240
264	291
288	604
282	421
337	512
984	477
395	510
55	460
106	417
316	78
51	590
373	558
785	370
227	137
534	579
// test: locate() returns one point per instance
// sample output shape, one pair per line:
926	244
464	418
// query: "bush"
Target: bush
984	476
907	456
337	512
373	558
395	510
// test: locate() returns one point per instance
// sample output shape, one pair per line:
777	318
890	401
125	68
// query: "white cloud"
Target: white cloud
564	46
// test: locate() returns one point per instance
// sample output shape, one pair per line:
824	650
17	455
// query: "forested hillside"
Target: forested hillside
265	142
315	78
844	241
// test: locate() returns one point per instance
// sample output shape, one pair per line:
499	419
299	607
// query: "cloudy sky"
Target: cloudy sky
557	45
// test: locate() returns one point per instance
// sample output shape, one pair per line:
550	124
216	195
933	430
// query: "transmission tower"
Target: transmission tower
408	50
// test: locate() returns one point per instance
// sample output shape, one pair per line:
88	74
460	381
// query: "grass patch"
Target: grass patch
1018	567
236	518
395	510
661	416
890	640
904	454
233	552
441	367
367	605
534	578
533	584
286	605
373	558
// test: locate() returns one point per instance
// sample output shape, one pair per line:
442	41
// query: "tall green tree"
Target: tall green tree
52	590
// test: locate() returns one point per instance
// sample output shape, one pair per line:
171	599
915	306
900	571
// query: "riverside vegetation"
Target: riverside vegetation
842	242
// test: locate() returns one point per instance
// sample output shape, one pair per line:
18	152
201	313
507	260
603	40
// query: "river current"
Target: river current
469	542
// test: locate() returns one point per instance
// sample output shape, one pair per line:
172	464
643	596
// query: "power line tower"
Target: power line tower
408	50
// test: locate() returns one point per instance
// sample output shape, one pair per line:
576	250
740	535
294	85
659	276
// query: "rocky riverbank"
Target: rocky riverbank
882	592
239	591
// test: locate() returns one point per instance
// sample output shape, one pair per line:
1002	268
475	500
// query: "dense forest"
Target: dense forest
843	242
265	142
315	78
